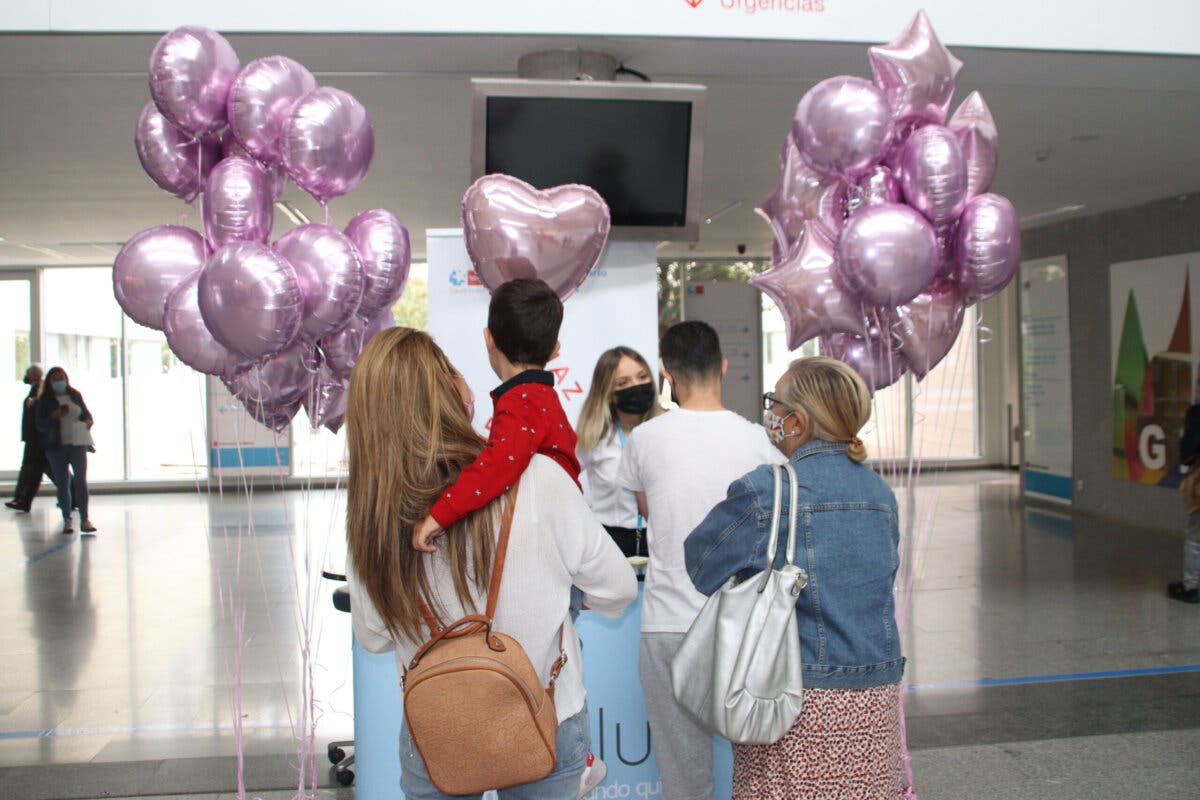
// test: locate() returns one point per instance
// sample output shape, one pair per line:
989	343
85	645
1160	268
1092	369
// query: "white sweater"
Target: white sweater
555	543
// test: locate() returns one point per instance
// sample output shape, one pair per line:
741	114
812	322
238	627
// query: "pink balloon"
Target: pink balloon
809	299
988	247
274	417
237	203
916	72
513	230
188	336
172	158
801	194
260	99
926	327
382	242
934	174
150	265
284	378
842	126
325	402
342	348
876	187
276	177
191	70
973	126
873	359
887	254
250	299
330	274
328	142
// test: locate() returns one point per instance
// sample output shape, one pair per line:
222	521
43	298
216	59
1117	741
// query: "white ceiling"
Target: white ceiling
71	188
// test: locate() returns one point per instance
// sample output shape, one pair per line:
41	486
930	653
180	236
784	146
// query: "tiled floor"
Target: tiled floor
1045	660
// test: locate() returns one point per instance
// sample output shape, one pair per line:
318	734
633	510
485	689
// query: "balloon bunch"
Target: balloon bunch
282	324
884	230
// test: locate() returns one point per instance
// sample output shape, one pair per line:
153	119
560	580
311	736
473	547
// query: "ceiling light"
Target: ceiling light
289	210
1055	212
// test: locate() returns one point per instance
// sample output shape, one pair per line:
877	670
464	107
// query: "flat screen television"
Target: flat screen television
640	145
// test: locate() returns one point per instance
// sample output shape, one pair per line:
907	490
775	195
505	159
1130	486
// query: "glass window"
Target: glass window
14	359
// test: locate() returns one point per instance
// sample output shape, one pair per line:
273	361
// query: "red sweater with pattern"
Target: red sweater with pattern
528	419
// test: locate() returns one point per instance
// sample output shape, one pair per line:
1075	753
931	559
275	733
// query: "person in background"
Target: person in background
403	453
64	425
1187	590
846	741
680	464
33	460
623	395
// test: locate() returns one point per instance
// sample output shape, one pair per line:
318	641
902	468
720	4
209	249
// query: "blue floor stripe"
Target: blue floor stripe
51	551
1062	676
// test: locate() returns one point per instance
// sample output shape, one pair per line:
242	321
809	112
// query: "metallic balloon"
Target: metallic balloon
260	99
513	230
916	72
926	327
274	417
801	194
887	254
873	359
172	157
973	126
330	274
191	70
382	242
188	336
842	126
809	299
250	299
325	402
328	142
934	174
284	378
150	265
276	177
876	187
341	349
988	248
237	203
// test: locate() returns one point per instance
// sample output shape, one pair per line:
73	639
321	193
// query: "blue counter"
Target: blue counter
620	733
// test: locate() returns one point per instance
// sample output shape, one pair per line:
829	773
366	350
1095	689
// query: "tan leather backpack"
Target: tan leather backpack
475	708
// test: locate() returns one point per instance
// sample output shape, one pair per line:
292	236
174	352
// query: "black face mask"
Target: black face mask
635	399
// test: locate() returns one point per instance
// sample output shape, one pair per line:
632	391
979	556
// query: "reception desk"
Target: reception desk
620	734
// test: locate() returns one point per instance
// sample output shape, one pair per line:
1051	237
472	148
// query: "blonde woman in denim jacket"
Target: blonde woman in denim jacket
846	742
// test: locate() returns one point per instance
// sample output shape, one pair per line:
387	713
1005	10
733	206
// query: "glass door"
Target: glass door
20	346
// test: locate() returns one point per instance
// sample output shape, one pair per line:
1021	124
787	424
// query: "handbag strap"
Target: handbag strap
793	511
777	472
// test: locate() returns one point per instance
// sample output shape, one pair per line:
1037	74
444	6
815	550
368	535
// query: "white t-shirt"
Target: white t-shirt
684	461
74	430
613	504
555	543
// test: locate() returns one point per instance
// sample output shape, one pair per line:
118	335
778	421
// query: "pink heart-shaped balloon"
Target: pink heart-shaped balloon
513	230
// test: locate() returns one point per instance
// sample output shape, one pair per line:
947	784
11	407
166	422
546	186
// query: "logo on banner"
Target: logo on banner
693	3
459	278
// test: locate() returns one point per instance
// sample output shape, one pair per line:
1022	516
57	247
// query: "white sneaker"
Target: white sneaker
68	526
594	773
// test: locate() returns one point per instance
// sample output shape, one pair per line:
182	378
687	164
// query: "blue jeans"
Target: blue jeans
572	744
71	486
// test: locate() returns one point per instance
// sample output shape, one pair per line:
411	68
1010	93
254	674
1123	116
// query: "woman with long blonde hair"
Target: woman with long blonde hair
846	741
622	396
409	435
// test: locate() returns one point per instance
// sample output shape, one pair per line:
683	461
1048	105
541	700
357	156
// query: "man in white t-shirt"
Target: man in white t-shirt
680	465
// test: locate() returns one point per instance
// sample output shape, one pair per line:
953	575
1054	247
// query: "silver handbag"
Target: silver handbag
738	669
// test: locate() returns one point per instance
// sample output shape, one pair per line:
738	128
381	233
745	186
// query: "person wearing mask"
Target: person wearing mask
846	741
680	464
403	453
64	425
33	460
623	395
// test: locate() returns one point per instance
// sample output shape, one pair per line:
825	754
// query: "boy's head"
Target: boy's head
691	354
523	321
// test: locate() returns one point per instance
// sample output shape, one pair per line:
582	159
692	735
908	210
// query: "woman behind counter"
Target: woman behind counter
622	396
846	742
65	427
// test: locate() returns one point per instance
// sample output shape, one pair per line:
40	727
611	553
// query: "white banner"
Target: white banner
616	305
240	445
1152	26
1046	379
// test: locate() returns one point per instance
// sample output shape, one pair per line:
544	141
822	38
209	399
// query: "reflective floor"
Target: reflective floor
1045	659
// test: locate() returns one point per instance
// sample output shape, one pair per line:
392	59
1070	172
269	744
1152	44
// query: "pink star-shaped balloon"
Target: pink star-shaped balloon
916	72
801	194
802	286
972	124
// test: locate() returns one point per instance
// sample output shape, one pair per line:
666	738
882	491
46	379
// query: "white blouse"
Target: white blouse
612	505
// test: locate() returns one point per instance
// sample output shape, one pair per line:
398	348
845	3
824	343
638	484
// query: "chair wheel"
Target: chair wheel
336	754
345	776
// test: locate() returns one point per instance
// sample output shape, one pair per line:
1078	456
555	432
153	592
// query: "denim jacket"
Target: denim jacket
846	540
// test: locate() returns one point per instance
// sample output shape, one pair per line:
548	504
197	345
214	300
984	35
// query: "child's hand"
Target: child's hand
424	534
